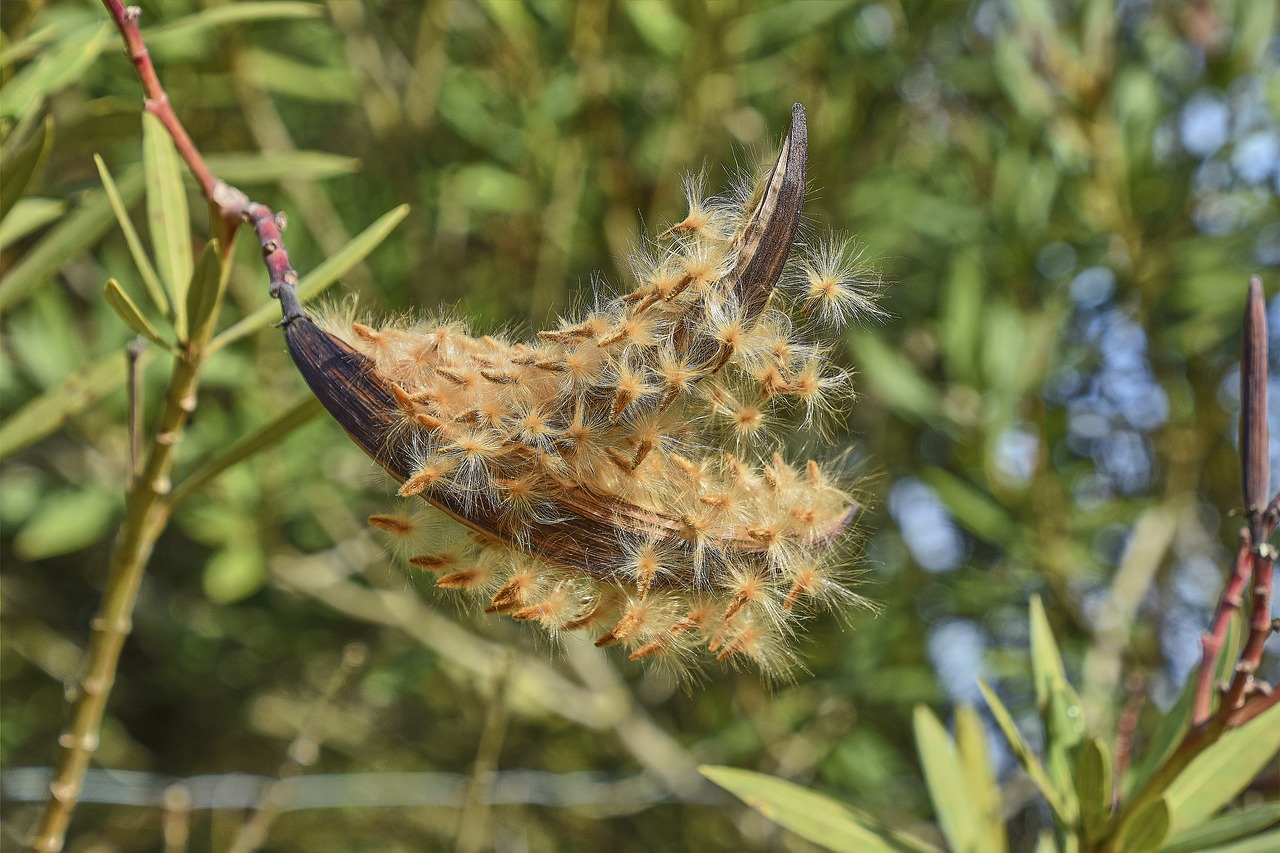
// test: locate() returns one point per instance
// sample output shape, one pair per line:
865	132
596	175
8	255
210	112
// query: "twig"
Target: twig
301	753
147	509
471	819
1212	641
1127	725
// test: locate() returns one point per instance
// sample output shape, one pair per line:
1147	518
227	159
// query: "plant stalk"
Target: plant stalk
148	507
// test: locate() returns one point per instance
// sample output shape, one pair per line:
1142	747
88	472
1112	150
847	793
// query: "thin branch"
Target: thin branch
472	819
302	752
1211	643
1259	706
1127	725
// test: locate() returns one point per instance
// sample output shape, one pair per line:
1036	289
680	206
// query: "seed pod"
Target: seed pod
590	457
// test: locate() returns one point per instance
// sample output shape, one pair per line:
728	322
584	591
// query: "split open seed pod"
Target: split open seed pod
618	473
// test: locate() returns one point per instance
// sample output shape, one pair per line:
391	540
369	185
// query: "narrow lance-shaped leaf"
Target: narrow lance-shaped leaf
68	238
279	426
234	13
1046	663
975	761
51	410
1030	763
952	797
1227	828
256	168
1218	775
1060	709
61	63
29	214
140	258
1094	787
1267	842
167	215
127	310
319	278
812	816
22	170
1146	830
208	281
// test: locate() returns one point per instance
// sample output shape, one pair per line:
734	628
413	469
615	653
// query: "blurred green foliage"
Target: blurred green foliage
1068	197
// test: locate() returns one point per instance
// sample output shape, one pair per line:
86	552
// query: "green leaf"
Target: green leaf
812	816
975	761
281	74
129	313
896	380
29	214
659	25
957	810
960	316
1225	828
319	278
167	215
236	572
1094	787
280	425
1046	662
68	238
54	68
141	259
1060	709
64	523
232	13
1266	843
26	47
1217	776
1030	763
242	169
1146	830
22	170
56	406
204	296
972	507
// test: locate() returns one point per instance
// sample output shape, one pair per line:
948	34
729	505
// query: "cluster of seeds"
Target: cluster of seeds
617	474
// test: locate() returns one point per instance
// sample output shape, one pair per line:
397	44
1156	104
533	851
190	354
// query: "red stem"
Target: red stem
1211	643
229	203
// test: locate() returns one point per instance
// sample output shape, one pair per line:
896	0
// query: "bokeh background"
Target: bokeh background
1066	200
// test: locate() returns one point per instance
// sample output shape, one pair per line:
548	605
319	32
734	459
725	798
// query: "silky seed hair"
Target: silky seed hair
620	473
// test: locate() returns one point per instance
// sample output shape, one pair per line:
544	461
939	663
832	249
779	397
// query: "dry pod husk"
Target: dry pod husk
617	473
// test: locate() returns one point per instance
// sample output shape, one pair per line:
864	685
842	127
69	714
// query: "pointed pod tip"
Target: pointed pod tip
797	118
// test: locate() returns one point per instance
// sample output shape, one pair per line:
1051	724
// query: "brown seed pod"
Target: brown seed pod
615	472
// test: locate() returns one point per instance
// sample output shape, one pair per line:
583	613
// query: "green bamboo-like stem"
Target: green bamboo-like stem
146	515
148	504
